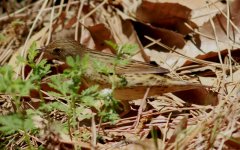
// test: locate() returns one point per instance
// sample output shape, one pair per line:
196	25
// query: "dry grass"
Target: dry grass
177	123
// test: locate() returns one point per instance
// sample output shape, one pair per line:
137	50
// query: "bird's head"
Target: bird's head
62	48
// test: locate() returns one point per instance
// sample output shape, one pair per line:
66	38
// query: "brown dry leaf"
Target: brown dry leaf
60	21
129	93
198	96
13	60
169	26
210	81
171	16
202	11
234	141
67	32
166	102
220	24
124	32
168	22
199	70
100	33
172	31
191	67
64	34
131	35
192	49
213	56
182	125
11	33
141	145
71	22
233	86
167	37
166	15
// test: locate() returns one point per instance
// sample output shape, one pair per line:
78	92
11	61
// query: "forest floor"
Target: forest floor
45	103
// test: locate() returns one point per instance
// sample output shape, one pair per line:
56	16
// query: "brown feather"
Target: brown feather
138	76
72	48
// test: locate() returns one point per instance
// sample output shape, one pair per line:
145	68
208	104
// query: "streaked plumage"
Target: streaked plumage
137	76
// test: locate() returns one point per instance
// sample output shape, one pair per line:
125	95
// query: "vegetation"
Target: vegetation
47	104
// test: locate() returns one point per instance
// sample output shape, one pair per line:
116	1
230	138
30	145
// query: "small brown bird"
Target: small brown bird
137	76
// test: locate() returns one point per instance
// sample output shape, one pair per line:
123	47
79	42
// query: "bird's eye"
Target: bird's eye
56	50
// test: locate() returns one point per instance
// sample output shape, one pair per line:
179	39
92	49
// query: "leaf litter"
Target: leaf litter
196	41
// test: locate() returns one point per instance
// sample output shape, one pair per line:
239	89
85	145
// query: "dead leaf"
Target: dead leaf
233	143
182	125
234	140
165	15
198	96
168	37
131	34
202	11
220	23
100	33
124	32
64	34
60	21
233	86
141	145
199	70
71	22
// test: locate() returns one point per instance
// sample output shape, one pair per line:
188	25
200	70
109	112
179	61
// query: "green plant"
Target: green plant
21	120
69	98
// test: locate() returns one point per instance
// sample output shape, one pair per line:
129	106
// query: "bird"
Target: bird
131	80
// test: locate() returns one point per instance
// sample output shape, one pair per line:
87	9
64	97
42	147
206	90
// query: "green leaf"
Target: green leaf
23	87
57	84
17	22
83	112
90	90
70	61
40	70
9	124
89	101
84	62
121	62
32	52
102	67
12	123
109	116
88	96
112	44
2	37
21	59
53	106
129	49
9	85
28	125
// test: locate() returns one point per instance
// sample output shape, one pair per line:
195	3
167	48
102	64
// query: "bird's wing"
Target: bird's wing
133	66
